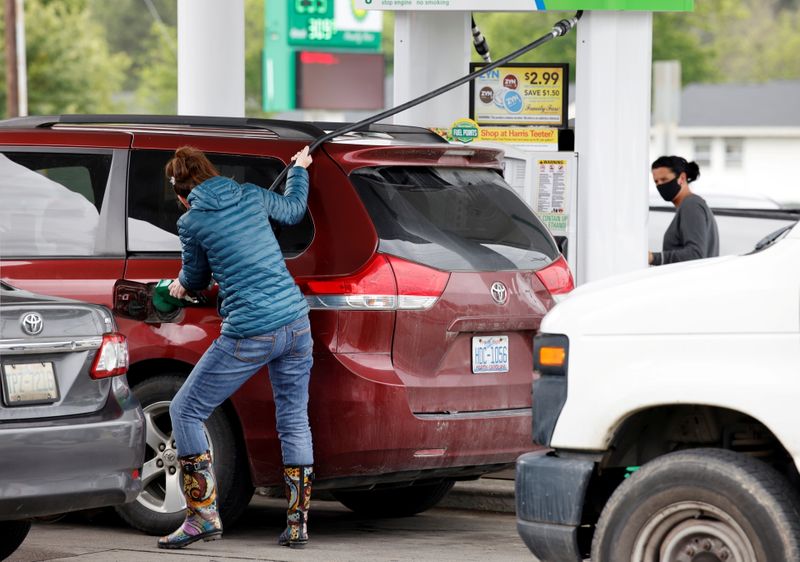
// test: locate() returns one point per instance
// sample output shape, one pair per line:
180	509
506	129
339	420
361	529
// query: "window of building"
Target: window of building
734	153
702	152
50	202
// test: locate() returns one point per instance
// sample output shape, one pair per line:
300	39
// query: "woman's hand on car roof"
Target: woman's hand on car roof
302	158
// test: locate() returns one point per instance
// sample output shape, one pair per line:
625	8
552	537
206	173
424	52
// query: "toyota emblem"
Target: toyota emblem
499	293
32	323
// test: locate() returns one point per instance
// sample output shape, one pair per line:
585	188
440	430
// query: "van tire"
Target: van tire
12	535
687	500
234	487
394	502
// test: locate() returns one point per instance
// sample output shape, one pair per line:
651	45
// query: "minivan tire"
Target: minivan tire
234	487
13	534
709	499
394	502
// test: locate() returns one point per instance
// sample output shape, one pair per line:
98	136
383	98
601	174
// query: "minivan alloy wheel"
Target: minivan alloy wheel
159	508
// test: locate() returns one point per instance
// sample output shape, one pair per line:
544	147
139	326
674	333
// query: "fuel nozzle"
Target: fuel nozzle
481	46
162	300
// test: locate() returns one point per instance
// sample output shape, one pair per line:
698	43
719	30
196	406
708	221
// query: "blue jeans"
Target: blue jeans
227	365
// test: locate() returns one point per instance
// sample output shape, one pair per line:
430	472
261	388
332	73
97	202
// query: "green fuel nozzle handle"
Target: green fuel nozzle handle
163	301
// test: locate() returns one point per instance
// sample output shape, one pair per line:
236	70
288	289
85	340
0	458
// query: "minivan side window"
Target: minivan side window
50	202
153	209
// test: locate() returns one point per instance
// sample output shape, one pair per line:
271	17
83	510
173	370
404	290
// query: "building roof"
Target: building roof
771	104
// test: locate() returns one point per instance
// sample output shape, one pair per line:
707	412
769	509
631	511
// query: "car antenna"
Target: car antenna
560	29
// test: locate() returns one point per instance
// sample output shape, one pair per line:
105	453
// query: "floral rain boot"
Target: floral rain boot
297	484
202	518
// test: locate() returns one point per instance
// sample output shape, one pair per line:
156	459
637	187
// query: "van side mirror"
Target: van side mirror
563	244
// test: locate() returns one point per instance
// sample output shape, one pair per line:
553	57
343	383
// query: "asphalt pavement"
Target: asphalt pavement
337	534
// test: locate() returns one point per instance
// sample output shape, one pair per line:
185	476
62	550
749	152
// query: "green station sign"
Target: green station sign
329	35
336	24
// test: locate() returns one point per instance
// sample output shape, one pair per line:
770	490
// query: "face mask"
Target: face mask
669	190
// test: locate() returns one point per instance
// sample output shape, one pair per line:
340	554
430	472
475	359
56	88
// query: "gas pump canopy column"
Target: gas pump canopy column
612	131
211	57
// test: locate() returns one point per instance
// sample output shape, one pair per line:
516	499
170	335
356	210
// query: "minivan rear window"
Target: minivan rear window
455	219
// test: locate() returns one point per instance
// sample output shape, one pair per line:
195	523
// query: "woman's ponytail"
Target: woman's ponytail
188	168
692	171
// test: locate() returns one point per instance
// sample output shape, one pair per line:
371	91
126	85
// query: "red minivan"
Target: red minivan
426	274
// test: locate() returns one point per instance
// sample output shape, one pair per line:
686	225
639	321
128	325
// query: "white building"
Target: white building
746	138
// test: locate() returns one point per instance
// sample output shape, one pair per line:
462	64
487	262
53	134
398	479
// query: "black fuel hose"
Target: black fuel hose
560	29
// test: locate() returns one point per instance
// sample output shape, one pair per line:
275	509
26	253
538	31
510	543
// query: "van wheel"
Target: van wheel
394	502
160	508
12	534
702	504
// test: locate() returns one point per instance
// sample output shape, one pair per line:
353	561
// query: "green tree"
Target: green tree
782	61
157	78
128	25
675	39
70	67
253	55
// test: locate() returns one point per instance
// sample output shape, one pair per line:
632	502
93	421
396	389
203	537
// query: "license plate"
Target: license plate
29	383
490	354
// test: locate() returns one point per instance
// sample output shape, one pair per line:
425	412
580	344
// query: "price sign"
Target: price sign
520	94
333	23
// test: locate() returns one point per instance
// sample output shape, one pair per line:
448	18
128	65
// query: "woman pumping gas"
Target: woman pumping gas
226	235
693	233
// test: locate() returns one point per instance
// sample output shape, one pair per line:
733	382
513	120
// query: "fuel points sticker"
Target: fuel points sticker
464	130
520	94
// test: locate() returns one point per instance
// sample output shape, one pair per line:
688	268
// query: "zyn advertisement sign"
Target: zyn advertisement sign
528	5
520	94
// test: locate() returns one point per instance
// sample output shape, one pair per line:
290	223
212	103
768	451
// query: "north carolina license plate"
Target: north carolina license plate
490	354
29	383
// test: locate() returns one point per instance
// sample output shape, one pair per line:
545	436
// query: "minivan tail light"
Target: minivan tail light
385	283
418	286
371	288
557	278
112	357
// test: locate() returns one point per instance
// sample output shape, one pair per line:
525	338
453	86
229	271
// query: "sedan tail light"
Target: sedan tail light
557	278
385	283
112	357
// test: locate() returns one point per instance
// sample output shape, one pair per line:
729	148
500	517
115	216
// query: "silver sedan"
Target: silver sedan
71	432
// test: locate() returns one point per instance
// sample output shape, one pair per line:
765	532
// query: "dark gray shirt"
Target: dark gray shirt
691	235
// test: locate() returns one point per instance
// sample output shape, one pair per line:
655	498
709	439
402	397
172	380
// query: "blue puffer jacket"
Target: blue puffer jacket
226	234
